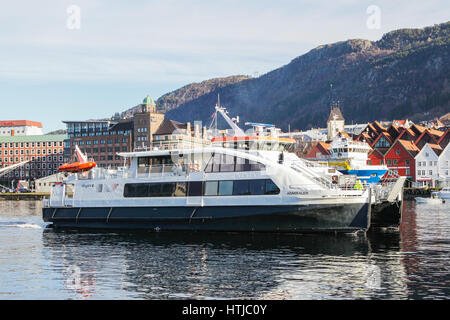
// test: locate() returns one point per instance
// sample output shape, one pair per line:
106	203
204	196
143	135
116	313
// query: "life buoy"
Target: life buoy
194	167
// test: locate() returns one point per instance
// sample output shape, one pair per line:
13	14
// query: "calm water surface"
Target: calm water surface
40	263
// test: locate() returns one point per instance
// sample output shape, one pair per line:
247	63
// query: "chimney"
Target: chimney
196	130
188	129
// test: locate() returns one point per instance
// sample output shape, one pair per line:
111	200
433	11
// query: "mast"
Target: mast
221	110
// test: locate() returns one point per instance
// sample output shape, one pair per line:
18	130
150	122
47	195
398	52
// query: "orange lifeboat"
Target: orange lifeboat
82	165
77	167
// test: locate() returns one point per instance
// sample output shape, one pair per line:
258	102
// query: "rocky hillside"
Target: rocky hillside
403	75
193	91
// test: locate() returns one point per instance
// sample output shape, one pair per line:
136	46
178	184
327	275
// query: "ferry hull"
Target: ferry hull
297	219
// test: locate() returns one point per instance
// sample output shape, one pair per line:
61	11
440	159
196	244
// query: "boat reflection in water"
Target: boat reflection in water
227	265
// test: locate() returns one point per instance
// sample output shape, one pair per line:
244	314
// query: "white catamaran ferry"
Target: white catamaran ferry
228	186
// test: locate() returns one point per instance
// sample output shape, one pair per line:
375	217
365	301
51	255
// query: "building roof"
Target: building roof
437	148
409	146
407	134
344	134
425	133
399	122
88	121
169	126
149	101
445	117
386	135
20	123
444	139
319	146
335	114
434	147
122	126
35	138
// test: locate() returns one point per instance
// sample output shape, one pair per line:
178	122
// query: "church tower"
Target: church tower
335	123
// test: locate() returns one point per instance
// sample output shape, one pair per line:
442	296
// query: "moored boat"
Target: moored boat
428	200
350	157
247	182
232	191
442	194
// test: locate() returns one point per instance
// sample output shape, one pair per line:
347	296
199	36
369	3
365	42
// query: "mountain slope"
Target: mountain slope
403	75
193	91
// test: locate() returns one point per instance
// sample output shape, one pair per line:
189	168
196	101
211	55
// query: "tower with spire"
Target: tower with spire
336	121
146	121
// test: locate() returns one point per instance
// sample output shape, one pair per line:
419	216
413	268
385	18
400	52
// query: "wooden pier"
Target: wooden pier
23	196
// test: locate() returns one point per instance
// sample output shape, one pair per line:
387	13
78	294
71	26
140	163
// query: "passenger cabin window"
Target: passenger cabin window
229	163
195	188
198	188
139	190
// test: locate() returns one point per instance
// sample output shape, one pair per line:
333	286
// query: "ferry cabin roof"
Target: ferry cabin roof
202	155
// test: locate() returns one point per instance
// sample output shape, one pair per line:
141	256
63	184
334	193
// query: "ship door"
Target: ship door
57	195
195	194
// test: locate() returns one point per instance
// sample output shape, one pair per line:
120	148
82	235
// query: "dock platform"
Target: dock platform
23	196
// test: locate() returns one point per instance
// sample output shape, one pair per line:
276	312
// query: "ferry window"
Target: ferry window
211	188
225	188
271	187
227	164
195	188
180	189
240	188
240	164
167	189
257	187
143	162
256	166
136	190
216	159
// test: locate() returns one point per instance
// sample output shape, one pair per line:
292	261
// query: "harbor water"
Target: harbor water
41	263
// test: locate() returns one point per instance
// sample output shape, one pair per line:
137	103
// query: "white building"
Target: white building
444	167
427	165
20	128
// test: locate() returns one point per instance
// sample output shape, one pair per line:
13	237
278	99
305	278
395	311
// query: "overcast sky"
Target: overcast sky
51	70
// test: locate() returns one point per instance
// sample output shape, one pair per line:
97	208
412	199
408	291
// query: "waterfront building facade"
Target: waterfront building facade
427	173
43	153
444	167
175	135
100	140
20	128
146	122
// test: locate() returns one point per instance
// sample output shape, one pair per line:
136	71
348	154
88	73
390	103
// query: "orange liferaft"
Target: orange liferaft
77	167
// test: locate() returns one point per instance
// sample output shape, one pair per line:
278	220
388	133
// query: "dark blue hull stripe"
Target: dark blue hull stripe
240	218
